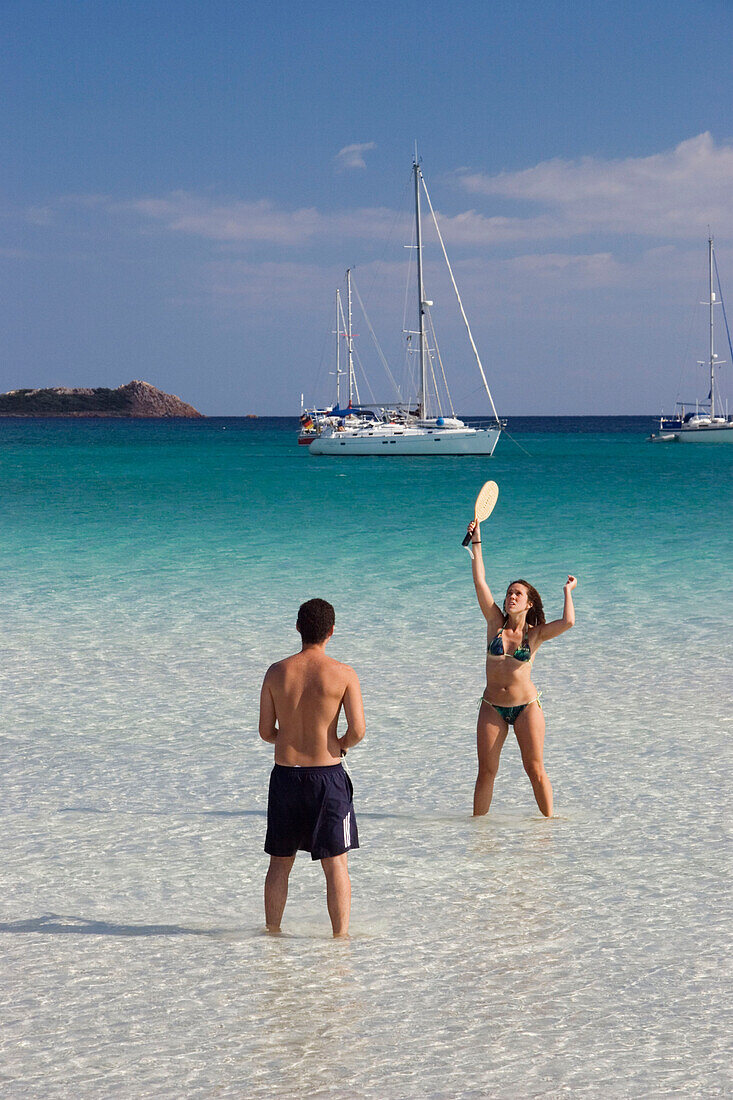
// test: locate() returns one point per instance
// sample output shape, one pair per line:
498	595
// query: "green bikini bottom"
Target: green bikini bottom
510	714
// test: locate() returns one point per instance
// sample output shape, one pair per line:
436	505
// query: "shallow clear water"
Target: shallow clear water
153	571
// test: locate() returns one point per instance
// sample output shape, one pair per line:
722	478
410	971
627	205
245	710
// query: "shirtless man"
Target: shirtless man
310	805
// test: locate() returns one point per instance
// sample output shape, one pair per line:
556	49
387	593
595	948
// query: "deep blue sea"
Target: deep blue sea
153	570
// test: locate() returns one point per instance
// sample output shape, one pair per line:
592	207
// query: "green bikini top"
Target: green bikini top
496	647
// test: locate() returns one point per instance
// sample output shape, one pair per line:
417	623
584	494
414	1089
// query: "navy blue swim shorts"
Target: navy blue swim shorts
311	810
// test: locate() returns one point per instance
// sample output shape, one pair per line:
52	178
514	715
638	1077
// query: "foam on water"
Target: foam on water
153	572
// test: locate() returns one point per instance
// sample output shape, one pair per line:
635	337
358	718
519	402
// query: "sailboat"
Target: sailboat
706	424
314	421
424	430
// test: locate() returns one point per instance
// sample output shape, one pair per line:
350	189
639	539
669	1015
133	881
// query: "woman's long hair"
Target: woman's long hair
536	613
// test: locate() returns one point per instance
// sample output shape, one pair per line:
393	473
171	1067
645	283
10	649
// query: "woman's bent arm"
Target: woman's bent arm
559	626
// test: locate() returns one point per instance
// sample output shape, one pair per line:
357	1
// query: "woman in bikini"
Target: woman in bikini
514	634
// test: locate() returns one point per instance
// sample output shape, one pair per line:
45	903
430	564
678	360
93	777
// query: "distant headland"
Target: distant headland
135	399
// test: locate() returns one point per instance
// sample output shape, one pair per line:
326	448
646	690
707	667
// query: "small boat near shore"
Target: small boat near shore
706	424
663	436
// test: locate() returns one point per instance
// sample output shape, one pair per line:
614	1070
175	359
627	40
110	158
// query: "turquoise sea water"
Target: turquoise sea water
153	570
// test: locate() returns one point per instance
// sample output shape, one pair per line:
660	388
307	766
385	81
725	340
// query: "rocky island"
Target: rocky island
135	399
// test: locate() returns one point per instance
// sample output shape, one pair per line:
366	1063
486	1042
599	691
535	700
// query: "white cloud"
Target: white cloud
250	222
16	254
674	194
271	286
528	285
352	156
235	221
39	215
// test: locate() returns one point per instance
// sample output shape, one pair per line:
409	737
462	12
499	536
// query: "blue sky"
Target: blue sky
185	183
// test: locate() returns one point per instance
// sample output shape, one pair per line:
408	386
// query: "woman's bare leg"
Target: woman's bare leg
491	731
530	730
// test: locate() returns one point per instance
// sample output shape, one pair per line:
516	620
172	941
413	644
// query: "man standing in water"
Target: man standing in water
310	805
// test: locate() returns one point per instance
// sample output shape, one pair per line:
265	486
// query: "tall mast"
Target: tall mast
423	395
349	337
339	372
712	333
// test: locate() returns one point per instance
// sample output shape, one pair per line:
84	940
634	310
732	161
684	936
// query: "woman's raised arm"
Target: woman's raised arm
486	601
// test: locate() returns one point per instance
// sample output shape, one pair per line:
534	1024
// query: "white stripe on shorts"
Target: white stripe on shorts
347	831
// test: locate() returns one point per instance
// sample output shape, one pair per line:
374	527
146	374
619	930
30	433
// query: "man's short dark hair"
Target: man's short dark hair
315	620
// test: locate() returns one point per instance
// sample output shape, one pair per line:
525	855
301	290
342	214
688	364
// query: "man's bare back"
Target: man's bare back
310	805
304	694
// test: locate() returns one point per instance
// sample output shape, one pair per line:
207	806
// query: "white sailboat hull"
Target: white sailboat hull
710	433
407	441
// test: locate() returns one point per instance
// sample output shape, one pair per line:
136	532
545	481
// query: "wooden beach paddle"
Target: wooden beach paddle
485	501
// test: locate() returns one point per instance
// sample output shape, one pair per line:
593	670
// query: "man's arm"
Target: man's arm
354	711
268	728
